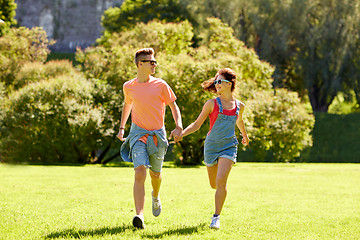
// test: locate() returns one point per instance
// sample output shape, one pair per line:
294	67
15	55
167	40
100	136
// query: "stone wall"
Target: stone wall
72	23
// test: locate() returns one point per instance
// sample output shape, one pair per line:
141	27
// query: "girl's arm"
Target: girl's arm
207	109
240	124
177	118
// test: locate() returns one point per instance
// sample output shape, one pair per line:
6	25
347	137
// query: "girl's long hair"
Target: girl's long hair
229	75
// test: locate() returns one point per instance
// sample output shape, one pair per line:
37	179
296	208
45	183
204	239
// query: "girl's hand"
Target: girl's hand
177	134
245	141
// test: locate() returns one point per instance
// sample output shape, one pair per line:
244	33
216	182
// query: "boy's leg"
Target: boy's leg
141	162
139	189
155	182
156	162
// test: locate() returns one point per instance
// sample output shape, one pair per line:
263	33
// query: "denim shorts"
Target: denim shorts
141	157
211	155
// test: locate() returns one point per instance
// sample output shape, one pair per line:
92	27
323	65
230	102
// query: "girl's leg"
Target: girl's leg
223	170
212	172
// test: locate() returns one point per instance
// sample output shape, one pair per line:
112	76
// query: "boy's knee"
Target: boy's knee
140	173
155	174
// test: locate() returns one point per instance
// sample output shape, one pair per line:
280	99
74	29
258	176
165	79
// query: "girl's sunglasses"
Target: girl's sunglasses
219	81
152	62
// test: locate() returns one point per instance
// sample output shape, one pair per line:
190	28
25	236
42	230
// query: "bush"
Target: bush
185	68
54	121
336	139
37	71
279	125
18	46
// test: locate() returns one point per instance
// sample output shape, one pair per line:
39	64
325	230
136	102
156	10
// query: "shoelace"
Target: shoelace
156	203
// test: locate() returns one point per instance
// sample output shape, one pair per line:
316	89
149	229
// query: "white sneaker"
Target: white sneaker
156	205
215	222
138	221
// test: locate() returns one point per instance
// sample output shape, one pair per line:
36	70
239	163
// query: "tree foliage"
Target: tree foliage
131	12
309	42
185	68
7	14
19	46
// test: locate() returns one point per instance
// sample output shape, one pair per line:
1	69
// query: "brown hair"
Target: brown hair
143	52
228	73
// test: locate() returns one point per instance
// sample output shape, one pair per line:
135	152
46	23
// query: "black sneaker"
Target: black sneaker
138	221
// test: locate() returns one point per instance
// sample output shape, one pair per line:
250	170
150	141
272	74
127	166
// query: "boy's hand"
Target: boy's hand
177	134
120	135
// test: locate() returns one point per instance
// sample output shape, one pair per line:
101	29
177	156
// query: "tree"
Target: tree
7	14
309	42
184	68
18	46
118	19
324	43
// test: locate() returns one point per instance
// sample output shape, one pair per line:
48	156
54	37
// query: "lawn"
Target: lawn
265	201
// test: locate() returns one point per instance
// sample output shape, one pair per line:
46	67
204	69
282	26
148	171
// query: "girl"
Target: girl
220	144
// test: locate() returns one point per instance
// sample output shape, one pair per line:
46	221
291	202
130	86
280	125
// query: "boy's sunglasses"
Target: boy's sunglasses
152	62
219	81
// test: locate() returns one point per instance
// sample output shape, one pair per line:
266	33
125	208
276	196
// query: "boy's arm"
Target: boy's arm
240	124
178	121
124	117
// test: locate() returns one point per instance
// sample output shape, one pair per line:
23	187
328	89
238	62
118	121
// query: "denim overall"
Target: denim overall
221	141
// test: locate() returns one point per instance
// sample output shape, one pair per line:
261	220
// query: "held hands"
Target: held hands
177	134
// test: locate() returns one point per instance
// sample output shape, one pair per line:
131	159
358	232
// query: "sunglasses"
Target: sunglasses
152	62
220	81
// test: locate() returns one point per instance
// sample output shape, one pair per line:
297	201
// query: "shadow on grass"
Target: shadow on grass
183	230
74	233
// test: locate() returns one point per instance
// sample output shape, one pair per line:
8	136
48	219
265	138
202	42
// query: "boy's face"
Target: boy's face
147	64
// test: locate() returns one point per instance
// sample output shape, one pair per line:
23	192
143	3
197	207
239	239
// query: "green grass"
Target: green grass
265	201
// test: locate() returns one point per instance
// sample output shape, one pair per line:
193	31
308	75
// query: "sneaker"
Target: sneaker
215	222
138	221
156	205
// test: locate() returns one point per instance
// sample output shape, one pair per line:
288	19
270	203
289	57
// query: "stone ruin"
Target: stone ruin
72	23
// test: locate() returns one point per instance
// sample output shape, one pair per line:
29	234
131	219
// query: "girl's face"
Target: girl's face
222	87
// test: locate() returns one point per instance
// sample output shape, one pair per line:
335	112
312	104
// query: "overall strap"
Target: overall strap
219	104
237	107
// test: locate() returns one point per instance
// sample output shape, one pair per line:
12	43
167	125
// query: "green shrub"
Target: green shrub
336	139
185	68
54	121
280	128
36	71
18	46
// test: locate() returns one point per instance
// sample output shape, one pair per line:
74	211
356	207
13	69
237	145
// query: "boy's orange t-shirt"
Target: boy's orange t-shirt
149	102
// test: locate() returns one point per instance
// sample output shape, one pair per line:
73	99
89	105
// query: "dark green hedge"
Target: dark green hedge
336	139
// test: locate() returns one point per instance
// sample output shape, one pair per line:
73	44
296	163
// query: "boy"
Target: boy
146	98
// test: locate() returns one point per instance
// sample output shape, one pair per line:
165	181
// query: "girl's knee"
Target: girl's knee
213	184
221	182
